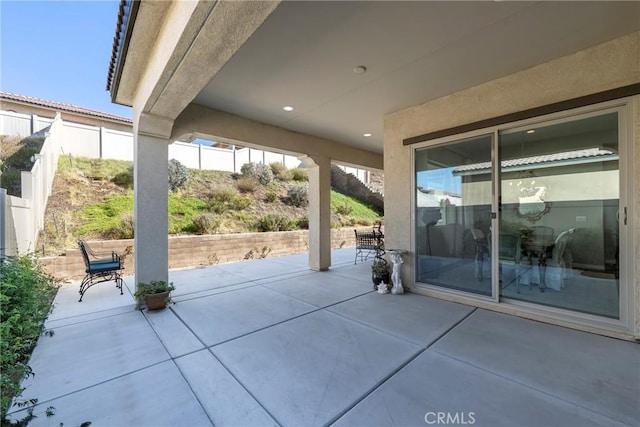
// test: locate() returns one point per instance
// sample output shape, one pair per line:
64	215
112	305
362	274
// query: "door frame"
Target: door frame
627	264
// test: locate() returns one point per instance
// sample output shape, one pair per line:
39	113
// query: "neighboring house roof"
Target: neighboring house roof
57	106
538	160
431	198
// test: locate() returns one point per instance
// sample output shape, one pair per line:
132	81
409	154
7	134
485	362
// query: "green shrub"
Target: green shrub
224	194
277	169
280	172
224	198
275	222
259	171
298	196
299	174
344	209
11	180
241	202
26	293
364	221
207	223
220	199
125	178
247	184
21	159
271	196
303	223
178	175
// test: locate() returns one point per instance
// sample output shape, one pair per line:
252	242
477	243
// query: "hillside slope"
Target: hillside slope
93	199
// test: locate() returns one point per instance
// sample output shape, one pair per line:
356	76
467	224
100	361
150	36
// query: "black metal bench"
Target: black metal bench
100	269
369	243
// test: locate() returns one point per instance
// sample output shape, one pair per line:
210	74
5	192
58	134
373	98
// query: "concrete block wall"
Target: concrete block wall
350	185
195	251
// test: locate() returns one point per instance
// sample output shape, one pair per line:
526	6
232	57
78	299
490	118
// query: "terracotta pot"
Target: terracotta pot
156	301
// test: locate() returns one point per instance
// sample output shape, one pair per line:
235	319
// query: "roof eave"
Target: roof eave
121	47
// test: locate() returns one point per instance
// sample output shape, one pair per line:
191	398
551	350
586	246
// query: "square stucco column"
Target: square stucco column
151	200
319	212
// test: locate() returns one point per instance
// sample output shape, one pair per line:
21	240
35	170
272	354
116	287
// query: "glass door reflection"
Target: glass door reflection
560	198
453	215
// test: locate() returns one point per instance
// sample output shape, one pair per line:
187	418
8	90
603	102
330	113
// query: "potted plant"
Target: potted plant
156	294
380	272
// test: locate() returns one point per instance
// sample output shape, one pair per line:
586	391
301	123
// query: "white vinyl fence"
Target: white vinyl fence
22	124
24	216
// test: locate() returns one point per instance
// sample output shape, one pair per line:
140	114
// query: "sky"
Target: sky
59	51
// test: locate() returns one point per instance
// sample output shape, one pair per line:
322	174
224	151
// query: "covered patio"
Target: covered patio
269	342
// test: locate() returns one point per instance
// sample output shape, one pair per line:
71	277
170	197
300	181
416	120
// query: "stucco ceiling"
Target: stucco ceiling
305	53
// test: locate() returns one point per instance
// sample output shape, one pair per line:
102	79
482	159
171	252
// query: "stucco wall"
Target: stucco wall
607	66
195	251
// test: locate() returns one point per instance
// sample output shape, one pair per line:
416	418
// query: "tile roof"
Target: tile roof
536	160
62	107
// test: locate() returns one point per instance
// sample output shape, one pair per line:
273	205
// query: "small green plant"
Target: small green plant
125	178
153	287
213	259
207	223
26	293
11	180
380	267
279	170
178	175
144	290
344	209
303	223
298	196
240	203
275	222
259	171
271	196
247	184
300	174
221	198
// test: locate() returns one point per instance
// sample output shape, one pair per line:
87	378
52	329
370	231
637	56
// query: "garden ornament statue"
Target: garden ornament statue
396	259
383	288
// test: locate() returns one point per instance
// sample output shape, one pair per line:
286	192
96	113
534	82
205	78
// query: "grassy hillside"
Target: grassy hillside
93	199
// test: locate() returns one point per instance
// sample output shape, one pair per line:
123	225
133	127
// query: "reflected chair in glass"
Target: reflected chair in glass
481	248
560	264
537	245
510	252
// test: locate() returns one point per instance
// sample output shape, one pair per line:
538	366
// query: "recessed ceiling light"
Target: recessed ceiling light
531	131
287	108
360	69
367	134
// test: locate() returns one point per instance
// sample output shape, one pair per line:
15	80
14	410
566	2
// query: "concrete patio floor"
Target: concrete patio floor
269	342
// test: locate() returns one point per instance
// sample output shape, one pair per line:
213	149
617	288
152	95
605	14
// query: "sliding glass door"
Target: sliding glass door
560	200
553	236
453	215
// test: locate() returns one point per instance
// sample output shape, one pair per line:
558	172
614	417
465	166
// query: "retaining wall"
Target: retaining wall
349	184
195	251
